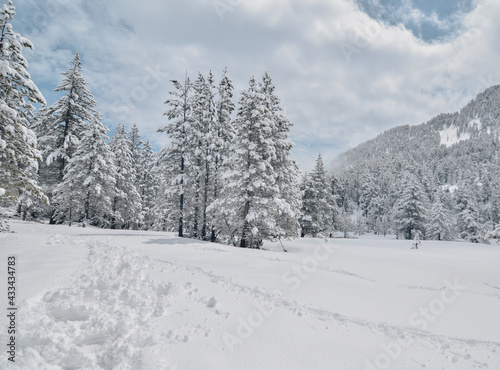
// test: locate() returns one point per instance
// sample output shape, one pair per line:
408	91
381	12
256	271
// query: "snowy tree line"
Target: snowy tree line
406	203
220	178
227	178
227	173
407	181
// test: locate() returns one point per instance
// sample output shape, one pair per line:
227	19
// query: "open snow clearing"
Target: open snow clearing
111	299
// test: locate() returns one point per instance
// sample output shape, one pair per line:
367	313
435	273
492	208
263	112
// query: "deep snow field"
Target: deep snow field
110	299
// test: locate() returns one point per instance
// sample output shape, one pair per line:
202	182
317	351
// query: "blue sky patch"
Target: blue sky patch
429	20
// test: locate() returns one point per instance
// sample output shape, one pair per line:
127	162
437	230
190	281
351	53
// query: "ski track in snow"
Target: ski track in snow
110	314
453	349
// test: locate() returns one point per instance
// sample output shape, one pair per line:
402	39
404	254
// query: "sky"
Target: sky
345	70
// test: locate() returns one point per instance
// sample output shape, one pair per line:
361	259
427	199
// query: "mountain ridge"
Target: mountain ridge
477	120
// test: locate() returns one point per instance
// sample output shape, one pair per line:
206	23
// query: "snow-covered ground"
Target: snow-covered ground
110	299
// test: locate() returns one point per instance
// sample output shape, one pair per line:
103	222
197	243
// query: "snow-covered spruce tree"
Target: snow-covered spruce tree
317	203
19	156
174	158
87	190
60	126
126	201
377	213
250	200
223	134
286	169
495	196
439	226
411	208
166	210
148	185
471	225
308	207
136	149
146	179
368	193
342	215
201	136
359	225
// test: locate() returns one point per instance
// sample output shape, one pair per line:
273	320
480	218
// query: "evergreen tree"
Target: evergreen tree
440	226
148	185
61	125
223	136
174	158
19	156
318	203
202	135
411	208
126	201
250	200
286	169
360	225
368	194
136	151
342	215
308	207
87	190
471	225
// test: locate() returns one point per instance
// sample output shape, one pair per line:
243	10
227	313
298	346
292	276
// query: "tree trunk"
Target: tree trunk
205	201
181	201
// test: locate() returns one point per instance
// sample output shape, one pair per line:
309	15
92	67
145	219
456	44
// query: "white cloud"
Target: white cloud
391	77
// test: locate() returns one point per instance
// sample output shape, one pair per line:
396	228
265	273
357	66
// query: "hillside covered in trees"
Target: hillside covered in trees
440	178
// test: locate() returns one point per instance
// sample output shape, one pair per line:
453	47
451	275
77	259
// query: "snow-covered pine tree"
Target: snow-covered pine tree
439	226
318	202
223	136
250	200
166	211
472	227
342	220
495	192
174	158
202	135
376	212
136	148
411	208
126	201
359	225
87	190
368	192
60	126
286	169
308	206
19	155
148	185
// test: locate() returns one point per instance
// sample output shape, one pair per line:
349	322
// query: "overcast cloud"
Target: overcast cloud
345	70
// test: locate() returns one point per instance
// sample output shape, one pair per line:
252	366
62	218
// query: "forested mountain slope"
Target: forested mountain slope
453	157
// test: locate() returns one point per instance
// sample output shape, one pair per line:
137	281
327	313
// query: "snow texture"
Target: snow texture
115	299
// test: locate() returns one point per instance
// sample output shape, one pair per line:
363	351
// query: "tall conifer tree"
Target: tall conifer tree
19	155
